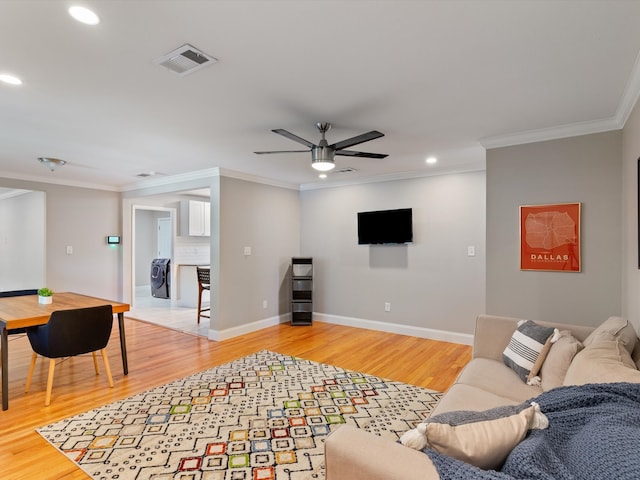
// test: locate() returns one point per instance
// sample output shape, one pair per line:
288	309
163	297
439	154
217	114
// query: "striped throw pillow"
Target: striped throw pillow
527	349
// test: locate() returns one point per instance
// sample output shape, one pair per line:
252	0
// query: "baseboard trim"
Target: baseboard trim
219	335
420	332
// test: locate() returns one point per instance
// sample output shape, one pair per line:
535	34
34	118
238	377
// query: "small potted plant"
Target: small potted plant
45	295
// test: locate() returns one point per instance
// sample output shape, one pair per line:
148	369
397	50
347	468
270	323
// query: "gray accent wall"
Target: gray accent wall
431	284
586	169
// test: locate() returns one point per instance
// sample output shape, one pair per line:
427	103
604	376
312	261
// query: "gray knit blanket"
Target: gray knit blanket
594	433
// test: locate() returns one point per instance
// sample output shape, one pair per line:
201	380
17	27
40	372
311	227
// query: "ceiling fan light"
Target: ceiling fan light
323	165
322	157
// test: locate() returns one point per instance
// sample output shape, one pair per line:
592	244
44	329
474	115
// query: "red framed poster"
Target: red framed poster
550	237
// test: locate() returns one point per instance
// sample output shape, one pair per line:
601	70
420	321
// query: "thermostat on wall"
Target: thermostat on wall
113	239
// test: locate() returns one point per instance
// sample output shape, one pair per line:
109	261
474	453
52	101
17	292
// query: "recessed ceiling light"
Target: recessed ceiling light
84	15
431	160
10	79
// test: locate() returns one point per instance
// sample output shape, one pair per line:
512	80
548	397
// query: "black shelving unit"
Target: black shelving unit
301	290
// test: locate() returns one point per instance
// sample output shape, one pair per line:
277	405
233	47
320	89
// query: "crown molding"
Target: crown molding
630	95
171	179
55	181
464	168
625	107
552	133
203	174
12	192
257	179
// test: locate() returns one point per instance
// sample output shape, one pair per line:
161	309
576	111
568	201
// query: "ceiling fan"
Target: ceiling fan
322	154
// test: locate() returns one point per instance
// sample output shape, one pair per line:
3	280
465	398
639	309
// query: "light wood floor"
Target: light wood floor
158	355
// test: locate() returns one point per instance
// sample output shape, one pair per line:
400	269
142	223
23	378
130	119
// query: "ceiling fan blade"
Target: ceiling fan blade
283	151
293	137
351	153
349	142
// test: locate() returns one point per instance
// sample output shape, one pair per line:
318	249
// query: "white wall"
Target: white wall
432	284
81	218
631	273
584	169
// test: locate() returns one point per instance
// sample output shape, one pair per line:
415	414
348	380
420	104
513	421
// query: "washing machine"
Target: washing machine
160	279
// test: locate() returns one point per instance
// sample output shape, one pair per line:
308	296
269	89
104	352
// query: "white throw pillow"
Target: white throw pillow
483	439
558	360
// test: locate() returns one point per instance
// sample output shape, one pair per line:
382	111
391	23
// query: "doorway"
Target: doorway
154	232
23	239
165	237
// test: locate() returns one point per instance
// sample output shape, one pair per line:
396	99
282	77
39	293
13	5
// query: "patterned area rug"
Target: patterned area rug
261	417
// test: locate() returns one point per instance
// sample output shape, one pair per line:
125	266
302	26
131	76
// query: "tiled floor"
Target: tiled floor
160	312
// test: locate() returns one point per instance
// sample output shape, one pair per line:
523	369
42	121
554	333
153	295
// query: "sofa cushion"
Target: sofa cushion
495	377
483	439
467	397
527	349
619	328
357	454
558	359
606	361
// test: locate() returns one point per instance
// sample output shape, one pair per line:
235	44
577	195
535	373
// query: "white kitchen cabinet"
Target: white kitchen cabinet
195	218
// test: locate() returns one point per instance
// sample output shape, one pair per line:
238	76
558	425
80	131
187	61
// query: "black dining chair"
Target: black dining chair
69	333
204	283
18	293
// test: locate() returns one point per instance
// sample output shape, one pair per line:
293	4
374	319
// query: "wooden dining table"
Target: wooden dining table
25	311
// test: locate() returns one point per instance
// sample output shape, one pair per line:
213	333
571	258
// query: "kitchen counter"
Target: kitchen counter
187	283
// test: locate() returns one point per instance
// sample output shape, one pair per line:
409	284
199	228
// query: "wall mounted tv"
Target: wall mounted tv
385	227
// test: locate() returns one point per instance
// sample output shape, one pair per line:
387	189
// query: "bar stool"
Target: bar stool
204	283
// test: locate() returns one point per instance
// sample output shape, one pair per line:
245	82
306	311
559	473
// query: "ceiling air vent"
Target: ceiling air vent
148	174
185	60
345	170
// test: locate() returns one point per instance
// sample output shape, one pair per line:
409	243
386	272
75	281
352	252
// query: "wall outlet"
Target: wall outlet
471	251
264	304
69	250
247	251
387	306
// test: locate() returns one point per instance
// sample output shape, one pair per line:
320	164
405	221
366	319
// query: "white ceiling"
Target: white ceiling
438	78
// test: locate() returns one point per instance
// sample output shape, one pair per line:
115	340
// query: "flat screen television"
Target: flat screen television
385	227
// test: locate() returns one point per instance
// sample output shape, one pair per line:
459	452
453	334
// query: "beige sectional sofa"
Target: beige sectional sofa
486	382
